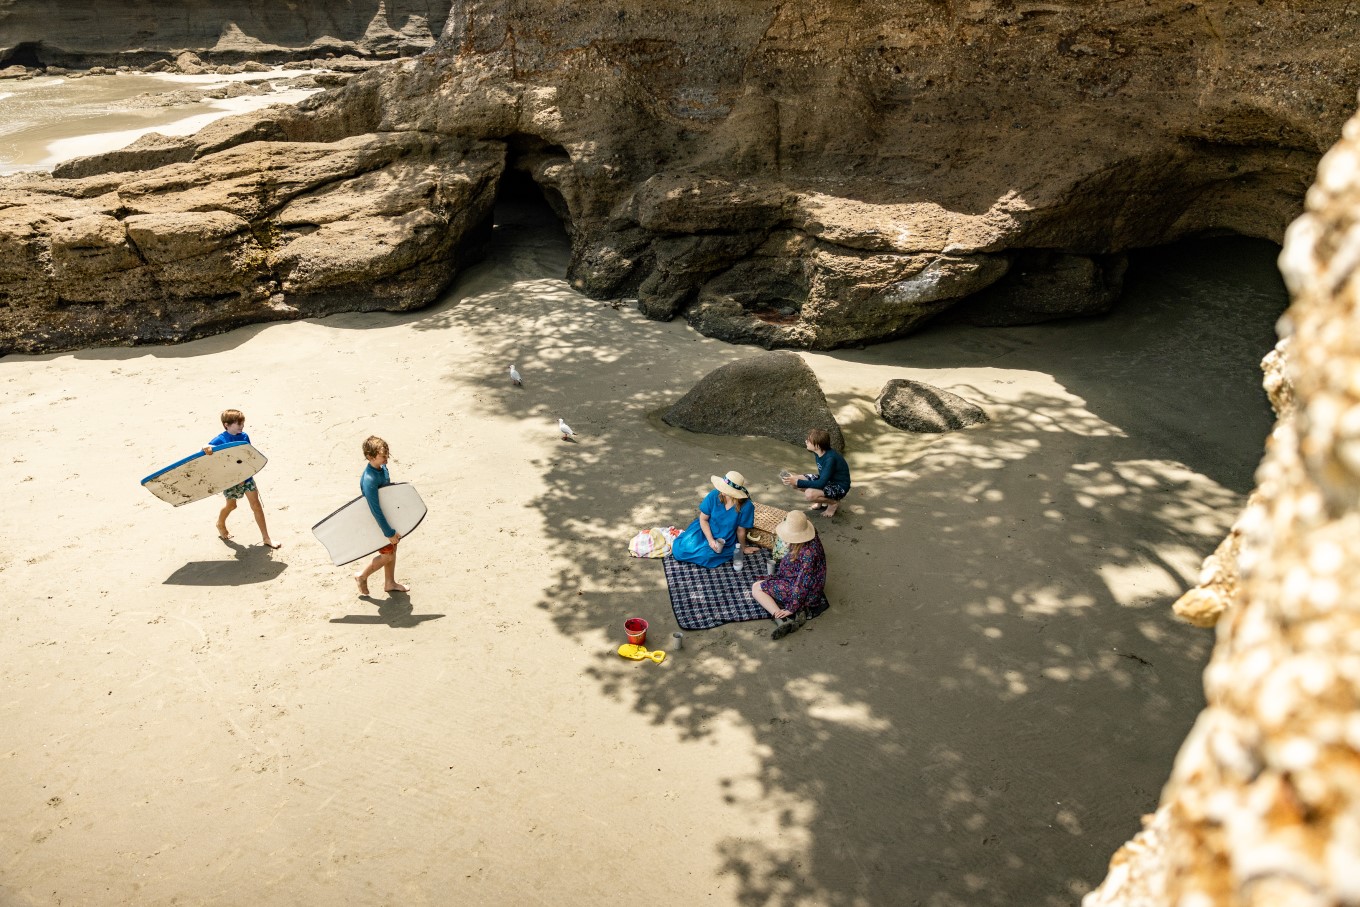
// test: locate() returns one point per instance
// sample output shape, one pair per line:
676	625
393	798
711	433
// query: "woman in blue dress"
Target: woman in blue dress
724	516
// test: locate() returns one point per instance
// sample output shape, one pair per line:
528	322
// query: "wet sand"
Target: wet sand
994	698
47	120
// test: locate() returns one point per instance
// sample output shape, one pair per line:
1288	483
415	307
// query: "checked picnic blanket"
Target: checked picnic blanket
702	598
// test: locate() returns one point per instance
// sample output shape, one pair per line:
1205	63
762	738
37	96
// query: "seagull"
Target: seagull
515	377
565	429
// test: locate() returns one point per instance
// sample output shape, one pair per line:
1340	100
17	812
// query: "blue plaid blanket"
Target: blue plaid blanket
702	598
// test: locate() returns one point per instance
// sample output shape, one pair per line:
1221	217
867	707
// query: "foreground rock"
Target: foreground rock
1263	805
832	173
85	33
774	395
919	407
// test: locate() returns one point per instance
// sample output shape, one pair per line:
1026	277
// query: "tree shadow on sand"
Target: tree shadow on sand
986	709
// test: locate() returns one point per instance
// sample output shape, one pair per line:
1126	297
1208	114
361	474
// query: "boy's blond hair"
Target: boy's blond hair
232	415
374	447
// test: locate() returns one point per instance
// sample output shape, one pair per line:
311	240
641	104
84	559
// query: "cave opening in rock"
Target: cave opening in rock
527	209
25	54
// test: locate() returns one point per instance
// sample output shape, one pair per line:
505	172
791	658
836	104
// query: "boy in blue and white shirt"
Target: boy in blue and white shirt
234	429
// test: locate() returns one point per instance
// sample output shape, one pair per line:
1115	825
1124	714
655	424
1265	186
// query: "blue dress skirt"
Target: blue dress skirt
692	547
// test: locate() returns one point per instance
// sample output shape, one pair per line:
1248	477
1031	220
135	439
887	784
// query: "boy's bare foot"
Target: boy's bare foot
362	583
269	544
830	510
222	532
396	587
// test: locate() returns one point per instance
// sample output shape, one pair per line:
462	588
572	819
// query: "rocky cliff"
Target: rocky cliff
811	174
1263	806
80	33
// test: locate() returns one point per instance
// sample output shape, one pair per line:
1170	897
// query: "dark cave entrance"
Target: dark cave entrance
25	54
528	211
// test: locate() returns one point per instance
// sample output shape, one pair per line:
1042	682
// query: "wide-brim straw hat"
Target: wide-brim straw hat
733	484
796	528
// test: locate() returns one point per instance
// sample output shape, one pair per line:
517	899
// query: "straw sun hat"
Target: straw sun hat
795	528
733	484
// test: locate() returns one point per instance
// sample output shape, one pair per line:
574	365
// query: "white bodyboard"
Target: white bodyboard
201	475
351	532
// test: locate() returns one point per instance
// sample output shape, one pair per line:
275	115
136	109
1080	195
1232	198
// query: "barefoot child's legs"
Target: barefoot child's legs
390	583
384	558
253	497
227	508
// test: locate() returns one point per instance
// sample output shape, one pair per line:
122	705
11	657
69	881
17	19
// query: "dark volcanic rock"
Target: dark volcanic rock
919	407
774	395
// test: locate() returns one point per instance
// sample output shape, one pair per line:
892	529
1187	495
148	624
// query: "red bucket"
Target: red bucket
636	628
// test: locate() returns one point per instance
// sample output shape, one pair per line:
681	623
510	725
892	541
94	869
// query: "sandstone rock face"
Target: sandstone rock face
83	33
1045	286
774	395
258	231
1263	806
920	407
830	173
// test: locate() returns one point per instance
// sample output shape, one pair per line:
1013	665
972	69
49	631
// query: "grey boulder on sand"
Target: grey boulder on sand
919	407
774	395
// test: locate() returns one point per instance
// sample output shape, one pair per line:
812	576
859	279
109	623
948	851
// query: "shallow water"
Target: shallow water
48	120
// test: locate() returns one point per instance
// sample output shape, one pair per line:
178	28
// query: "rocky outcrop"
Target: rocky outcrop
254	232
919	407
828	173
84	33
1263	805
774	395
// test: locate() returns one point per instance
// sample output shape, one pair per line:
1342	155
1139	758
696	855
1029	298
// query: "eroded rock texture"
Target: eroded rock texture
774	395
826	172
82	33
1263	806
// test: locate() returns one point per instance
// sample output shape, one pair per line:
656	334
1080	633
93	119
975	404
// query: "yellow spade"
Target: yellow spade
638	653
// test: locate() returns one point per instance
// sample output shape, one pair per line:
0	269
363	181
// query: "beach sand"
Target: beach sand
992	701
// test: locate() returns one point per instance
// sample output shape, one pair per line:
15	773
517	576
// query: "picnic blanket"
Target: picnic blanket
702	598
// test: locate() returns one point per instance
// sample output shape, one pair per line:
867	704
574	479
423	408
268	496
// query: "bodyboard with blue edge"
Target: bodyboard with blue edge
201	475
351	532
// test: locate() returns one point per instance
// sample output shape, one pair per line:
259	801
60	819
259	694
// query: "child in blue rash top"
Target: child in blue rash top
831	482
376	476
234	425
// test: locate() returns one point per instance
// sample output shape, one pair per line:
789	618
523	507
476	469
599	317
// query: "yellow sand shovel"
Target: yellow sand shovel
638	653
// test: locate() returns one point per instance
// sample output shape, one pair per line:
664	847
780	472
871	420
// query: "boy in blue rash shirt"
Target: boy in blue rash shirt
234	429
831	482
376	476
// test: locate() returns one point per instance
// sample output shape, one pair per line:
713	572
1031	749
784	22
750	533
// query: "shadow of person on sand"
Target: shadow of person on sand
251	564
395	611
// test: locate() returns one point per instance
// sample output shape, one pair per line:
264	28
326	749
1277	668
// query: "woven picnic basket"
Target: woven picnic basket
767	517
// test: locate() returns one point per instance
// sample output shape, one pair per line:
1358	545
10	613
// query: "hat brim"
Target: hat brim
794	538
721	485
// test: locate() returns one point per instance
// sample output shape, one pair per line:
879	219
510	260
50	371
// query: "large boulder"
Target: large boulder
259	231
919	407
774	395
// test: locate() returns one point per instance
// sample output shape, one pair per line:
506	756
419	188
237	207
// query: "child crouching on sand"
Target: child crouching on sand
234	430
375	476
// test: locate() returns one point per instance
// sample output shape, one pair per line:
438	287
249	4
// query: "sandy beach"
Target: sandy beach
993	700
50	119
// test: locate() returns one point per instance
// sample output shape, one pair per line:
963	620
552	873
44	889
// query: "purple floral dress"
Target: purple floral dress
799	579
